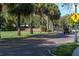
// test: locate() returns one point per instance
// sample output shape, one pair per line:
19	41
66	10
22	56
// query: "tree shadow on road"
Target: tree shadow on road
29	47
51	35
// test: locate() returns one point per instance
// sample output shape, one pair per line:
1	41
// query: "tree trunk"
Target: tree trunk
41	23
18	20
31	25
0	29
51	27
47	23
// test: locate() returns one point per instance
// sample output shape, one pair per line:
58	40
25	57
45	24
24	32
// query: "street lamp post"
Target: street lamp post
76	39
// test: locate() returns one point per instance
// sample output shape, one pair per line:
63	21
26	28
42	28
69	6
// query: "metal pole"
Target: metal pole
76	39
0	31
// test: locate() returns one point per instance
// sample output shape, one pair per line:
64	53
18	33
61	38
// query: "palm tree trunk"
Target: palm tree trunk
52	26
41	23
31	25
18	20
0	29
47	23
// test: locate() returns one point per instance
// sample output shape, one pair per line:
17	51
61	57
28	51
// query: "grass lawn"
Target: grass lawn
13	34
64	50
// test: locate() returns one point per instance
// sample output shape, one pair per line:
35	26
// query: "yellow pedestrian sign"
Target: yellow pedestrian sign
75	17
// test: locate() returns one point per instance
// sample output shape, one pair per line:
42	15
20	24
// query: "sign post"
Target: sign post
75	18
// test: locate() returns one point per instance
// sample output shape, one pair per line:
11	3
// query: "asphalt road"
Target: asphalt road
36	45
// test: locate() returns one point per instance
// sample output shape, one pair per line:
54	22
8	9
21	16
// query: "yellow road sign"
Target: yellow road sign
75	17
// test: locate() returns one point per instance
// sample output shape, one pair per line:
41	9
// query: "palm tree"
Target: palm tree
38	10
20	10
53	12
45	11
